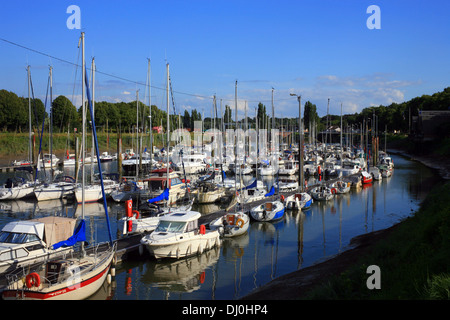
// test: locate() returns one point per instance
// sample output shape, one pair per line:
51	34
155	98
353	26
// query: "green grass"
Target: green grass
414	260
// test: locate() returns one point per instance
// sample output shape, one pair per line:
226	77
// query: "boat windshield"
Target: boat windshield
170	226
13	237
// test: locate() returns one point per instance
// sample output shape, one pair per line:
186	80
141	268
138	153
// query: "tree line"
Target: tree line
122	116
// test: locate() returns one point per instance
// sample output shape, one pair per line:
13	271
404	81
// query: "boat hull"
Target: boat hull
75	288
182	248
263	213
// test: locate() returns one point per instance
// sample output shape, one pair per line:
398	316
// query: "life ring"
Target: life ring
137	213
33	279
202	277
239	252
333	190
240	223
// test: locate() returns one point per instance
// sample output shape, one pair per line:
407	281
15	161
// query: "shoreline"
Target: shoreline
297	284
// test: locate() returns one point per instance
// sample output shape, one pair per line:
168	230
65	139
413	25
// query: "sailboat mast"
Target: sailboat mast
51	123
341	137
150	113
138	152
83	139
93	109
30	146
168	125
235	137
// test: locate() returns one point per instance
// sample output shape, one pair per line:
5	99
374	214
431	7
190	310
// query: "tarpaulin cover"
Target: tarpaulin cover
162	196
271	192
78	235
252	185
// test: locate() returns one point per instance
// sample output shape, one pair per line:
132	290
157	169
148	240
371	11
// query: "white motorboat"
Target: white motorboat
178	235
231	224
298	201
192	163
48	161
322	193
106	157
24	243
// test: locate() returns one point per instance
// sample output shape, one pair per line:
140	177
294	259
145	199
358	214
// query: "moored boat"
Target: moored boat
232	224
298	201
178	235
322	193
268	211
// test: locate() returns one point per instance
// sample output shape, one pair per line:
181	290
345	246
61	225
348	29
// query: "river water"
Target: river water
267	251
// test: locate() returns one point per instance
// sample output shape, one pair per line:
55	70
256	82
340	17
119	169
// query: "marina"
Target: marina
266	251
208	151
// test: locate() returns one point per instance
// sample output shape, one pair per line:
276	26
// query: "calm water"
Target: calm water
267	251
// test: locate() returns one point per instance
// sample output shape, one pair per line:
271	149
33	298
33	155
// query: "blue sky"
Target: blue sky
319	49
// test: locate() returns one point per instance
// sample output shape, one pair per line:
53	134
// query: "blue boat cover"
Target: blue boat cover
78	235
252	185
271	192
162	196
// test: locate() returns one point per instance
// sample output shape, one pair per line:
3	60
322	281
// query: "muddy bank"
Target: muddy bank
297	284
439	163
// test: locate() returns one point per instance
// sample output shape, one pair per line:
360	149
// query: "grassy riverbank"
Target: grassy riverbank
414	260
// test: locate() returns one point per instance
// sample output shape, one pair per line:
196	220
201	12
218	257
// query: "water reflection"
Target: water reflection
265	252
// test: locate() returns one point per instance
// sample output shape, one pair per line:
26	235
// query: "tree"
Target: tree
310	115
186	120
64	114
261	114
227	115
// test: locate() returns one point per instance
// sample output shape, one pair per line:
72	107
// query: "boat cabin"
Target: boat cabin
19	239
178	222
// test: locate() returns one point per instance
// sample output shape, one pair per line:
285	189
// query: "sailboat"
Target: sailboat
272	210
17	188
78	275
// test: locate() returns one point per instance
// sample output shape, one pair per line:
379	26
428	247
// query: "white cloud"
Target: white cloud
126	92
